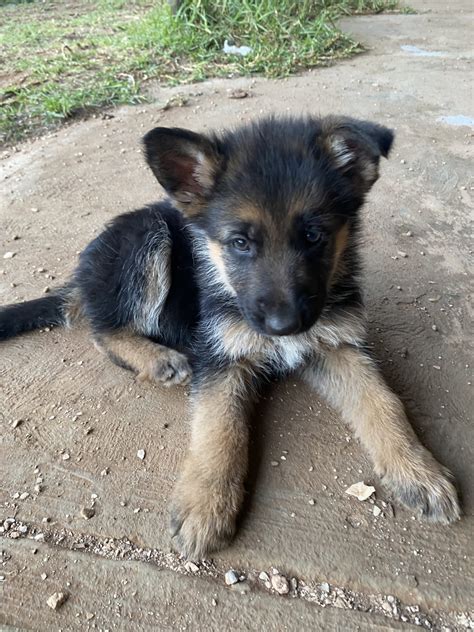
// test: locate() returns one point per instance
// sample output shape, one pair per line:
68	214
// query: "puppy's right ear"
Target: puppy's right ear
186	164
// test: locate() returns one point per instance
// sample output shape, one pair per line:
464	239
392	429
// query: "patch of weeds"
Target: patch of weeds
65	59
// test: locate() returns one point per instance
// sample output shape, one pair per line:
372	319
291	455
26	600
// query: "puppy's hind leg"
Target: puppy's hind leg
149	360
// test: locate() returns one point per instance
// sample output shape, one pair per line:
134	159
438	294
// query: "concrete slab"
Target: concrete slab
58	192
142	597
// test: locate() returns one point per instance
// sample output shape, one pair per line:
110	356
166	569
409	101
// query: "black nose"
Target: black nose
283	322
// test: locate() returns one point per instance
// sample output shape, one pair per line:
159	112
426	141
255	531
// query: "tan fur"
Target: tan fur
340	244
72	307
209	494
156	283
351	383
205	166
149	360
216	257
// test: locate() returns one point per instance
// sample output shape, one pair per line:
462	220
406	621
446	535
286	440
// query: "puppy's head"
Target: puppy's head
276	202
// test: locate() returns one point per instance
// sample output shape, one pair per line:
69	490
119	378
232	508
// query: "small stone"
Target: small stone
87	512
231	578
434	299
56	600
43	576
9	255
66	456
280	584
434	327
325	587
274	463
360	490
141	454
311	501
89	615
435	366
191	567
238	93
24	496
402	254
16	423
408	233
46	289
376	511
214	602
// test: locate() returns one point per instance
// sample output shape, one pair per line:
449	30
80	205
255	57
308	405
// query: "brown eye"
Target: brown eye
240	243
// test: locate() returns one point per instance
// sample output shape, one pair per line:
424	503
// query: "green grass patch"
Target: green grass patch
60	60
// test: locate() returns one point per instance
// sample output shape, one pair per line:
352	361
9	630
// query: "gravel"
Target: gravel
56	600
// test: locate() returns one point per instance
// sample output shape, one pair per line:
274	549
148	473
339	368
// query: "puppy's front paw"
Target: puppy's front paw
203	515
169	368
426	486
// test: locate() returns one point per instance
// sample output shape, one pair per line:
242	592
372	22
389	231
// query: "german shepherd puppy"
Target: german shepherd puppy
250	271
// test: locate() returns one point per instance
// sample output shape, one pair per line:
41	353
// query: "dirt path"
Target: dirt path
83	420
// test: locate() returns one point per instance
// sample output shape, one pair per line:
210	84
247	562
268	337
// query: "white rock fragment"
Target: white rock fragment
402	254
141	454
191	567
264	577
231	577
56	600
9	255
24	496
360	490
66	456
376	511
280	584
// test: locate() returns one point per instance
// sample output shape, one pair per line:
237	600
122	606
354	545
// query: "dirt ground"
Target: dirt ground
72	423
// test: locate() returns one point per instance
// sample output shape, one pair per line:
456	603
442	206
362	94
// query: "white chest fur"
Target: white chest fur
236	340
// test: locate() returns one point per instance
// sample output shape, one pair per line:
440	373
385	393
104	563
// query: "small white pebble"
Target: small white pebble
141	454
56	600
231	578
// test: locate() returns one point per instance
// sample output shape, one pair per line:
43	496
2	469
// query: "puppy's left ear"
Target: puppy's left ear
355	147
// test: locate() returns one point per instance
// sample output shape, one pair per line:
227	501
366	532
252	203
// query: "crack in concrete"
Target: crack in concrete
321	593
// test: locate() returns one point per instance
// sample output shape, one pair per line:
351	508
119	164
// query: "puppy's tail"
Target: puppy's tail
41	312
